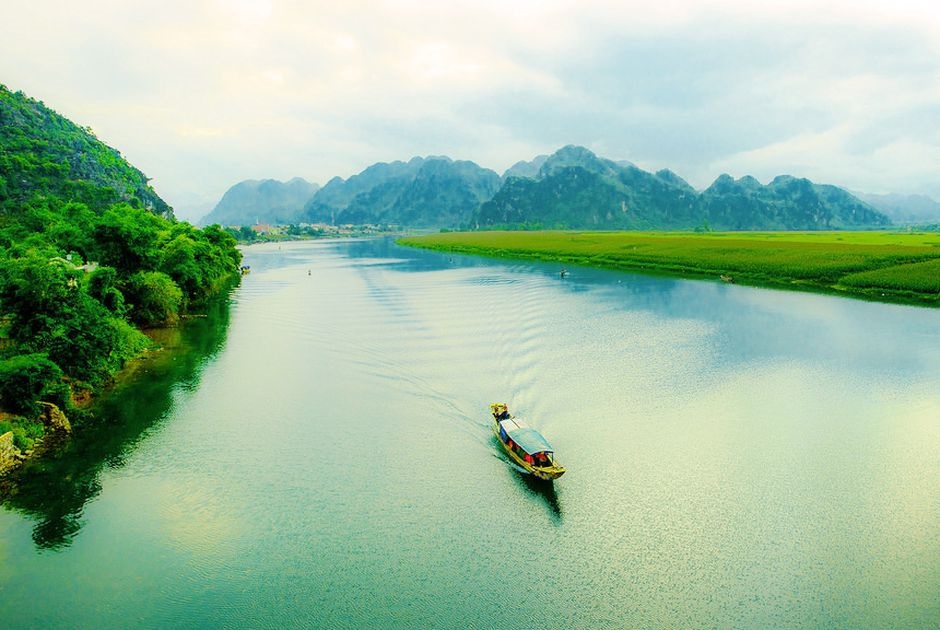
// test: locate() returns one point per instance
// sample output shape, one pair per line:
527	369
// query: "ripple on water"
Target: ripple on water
334	465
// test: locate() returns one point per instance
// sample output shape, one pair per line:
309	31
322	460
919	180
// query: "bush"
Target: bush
26	378
155	297
130	342
26	434
102	285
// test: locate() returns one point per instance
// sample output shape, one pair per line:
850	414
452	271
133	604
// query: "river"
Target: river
318	453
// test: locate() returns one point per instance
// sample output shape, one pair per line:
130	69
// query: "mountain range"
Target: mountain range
570	189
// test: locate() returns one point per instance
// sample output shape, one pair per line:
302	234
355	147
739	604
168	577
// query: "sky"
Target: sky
202	94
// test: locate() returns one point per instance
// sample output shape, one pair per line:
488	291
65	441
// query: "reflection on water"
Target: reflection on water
54	489
542	491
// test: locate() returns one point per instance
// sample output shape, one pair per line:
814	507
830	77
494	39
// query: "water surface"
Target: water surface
322	456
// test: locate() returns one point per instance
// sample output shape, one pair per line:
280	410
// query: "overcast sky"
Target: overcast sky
201	94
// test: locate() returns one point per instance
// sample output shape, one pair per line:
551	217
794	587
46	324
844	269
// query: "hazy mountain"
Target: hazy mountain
905	208
786	203
574	156
576	189
338	193
571	188
528	169
670	178
423	192
262	201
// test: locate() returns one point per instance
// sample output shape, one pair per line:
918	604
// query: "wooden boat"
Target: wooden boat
526	447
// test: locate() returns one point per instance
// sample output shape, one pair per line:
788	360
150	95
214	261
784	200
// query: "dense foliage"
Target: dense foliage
45	154
882	265
87	251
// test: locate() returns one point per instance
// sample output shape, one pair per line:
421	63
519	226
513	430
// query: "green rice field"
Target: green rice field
885	266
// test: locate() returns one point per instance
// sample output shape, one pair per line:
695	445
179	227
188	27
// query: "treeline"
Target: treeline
245	234
89	254
293	232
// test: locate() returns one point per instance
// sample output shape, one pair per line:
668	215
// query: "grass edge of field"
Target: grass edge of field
876	294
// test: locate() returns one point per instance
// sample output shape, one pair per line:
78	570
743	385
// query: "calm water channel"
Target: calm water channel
320	455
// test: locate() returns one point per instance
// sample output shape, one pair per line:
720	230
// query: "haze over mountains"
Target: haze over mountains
573	188
905	208
268	200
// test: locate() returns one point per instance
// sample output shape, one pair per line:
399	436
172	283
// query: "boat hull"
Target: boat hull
547	473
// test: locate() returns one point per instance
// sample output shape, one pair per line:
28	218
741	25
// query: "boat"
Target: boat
525	446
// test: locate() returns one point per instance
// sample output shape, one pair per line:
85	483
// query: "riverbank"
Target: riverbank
171	349
881	266
23	439
54	485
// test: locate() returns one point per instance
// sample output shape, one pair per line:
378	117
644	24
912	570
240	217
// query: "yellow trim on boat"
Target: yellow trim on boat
542	472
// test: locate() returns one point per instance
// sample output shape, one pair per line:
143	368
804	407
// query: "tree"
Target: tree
155	298
103	286
127	238
53	314
28	378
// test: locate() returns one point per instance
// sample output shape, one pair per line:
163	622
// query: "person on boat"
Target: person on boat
500	411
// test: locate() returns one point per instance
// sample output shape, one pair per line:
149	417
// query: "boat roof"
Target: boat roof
528	438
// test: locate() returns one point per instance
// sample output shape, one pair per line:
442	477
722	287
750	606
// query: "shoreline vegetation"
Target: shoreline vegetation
881	266
252	235
90	256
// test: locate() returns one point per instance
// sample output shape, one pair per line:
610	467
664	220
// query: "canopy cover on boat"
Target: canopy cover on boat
530	440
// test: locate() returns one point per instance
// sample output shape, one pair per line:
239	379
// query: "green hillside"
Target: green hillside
45	154
88	253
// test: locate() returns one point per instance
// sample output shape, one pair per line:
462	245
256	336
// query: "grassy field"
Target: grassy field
887	266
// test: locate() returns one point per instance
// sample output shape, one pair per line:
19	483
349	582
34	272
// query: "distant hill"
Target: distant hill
262	201
786	203
576	189
526	169
42	153
905	208
423	192
571	188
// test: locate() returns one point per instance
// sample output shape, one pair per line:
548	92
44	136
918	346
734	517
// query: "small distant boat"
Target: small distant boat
726	278
526	447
